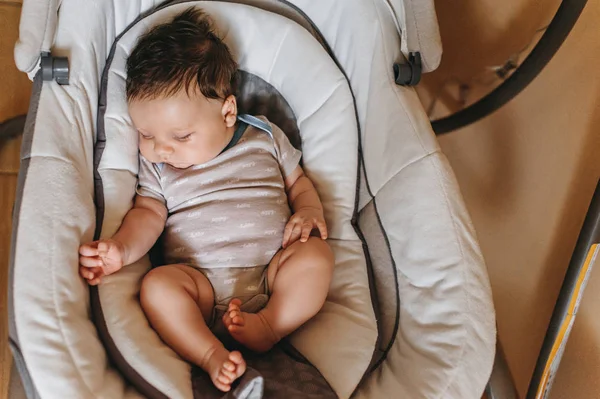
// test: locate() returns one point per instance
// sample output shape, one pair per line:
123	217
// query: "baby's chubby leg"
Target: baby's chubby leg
299	278
178	301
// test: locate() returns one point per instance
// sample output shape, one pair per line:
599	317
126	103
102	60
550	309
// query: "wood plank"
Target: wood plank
13	101
15	85
9	156
8	183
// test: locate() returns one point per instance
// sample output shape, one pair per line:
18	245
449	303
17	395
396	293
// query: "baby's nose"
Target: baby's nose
162	149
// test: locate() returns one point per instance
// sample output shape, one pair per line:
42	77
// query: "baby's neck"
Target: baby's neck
229	134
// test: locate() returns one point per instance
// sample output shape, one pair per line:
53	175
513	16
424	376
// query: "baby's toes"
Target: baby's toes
229	366
235	304
226	377
237	317
229	371
236	358
226	319
221	384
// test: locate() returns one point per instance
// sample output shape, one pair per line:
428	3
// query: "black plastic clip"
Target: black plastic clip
55	68
409	74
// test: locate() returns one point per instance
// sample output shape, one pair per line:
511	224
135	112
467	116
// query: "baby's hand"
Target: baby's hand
302	223
100	258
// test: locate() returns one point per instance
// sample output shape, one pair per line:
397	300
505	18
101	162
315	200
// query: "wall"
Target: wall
527	173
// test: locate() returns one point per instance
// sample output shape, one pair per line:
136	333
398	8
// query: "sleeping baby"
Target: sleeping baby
218	187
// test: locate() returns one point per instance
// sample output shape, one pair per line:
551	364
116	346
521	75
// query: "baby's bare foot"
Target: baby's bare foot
249	329
224	367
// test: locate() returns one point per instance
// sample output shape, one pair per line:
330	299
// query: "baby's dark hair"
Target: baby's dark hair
182	54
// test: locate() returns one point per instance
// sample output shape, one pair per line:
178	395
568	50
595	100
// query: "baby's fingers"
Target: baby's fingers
287	233
86	273
90	273
322	228
90	249
306	229
95	281
296	232
98	274
103	248
88	261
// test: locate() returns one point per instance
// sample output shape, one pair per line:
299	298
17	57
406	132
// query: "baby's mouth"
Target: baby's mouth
179	165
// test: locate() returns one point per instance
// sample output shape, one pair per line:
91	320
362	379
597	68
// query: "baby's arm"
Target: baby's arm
307	208
140	229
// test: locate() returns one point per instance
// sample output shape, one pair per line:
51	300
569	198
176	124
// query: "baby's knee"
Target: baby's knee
318	253
150	284
156	284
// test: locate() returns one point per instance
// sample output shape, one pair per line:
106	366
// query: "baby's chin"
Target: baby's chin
177	165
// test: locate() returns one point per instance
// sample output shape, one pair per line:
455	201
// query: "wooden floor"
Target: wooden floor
14	99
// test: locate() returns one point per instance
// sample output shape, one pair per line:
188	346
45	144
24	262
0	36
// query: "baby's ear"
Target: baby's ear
229	111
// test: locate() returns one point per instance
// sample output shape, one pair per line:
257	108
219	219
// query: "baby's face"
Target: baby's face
183	130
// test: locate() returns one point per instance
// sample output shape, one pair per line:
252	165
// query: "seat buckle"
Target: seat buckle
409	73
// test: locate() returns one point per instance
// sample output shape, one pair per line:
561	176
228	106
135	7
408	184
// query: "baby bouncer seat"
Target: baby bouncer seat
409	313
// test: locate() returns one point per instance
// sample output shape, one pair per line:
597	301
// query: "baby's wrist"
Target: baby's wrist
123	251
309	208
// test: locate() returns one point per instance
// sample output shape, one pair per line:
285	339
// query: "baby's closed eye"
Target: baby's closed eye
185	137
146	136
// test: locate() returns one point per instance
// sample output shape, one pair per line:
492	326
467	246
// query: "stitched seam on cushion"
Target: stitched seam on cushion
392	82
418	35
33	64
460	361
55	157
46	20
276	56
370	86
402	168
327	99
388	182
59	318
451	376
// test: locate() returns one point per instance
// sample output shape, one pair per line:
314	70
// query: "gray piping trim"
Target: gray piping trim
21	368
374	301
395	270
27	142
257	123
124	367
